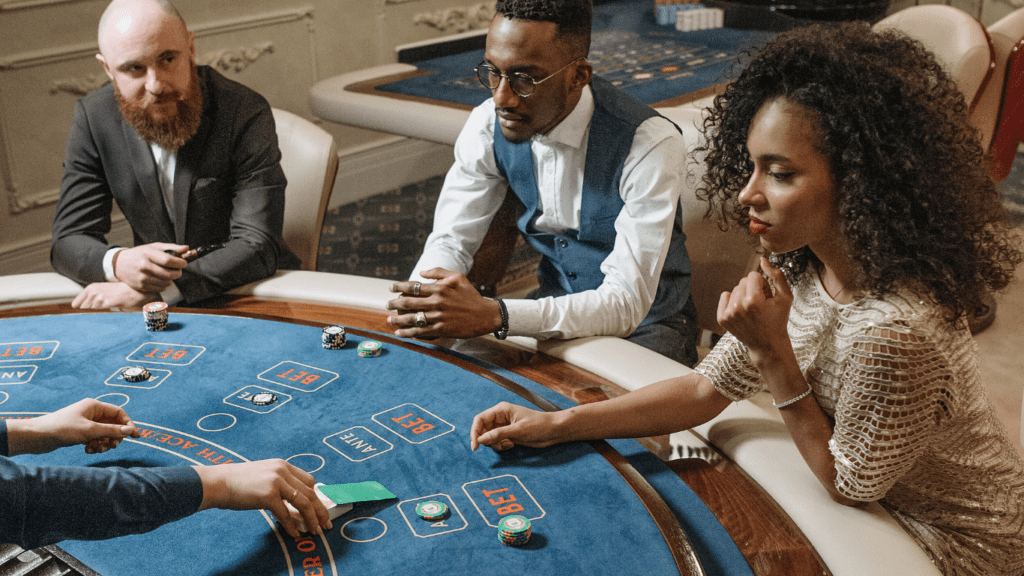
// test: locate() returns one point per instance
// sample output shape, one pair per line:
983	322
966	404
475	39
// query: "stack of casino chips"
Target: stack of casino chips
334	337
369	348
135	374
514	530
432	510
155	314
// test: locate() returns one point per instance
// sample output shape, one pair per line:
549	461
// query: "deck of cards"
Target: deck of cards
339	498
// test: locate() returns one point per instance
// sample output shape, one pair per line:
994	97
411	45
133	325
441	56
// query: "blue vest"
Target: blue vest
571	262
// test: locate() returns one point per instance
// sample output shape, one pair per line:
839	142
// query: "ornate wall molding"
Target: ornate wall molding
235	59
87	50
21	203
79	86
228	60
458	19
9	5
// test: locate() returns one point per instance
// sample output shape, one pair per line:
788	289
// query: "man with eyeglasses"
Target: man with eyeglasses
599	175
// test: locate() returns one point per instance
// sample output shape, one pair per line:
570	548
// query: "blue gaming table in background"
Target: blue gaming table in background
401	418
651	62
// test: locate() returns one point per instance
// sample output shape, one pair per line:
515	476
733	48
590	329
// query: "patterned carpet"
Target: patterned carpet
383	236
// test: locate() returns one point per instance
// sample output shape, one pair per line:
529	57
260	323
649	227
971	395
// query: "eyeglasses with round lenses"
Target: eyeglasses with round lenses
522	84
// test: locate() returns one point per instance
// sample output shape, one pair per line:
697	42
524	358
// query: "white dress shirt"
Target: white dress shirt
653	176
166	160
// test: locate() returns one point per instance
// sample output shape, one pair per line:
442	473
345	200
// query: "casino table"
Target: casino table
401	418
430	92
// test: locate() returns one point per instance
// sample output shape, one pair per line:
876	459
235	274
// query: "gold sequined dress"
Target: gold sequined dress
913	425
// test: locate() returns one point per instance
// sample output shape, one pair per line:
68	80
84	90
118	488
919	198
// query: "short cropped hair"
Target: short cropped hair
574	19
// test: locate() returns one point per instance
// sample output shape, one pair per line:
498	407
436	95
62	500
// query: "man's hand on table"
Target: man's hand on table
150	268
112	295
451	307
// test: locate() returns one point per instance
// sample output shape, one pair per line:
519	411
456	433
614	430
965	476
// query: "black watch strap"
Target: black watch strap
502	332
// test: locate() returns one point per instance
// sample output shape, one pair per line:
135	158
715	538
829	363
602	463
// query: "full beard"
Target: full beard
167	134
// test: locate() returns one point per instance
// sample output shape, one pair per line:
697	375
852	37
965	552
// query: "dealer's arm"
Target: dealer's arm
46	504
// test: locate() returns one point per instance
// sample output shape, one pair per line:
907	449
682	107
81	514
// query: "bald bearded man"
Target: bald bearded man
190	158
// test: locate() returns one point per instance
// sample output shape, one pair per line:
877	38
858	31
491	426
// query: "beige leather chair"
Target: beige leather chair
718	259
999	109
309	159
962	46
958	40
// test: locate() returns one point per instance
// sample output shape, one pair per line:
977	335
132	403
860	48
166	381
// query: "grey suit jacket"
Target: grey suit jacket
228	187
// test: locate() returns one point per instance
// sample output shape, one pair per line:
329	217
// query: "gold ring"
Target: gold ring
416	288
421	319
294	494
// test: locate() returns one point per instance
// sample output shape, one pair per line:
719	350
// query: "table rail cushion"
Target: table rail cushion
17	290
330	100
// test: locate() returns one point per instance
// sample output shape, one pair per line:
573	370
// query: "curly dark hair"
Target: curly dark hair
574	18
918	207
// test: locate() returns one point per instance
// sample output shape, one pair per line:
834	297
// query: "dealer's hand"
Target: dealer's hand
757	316
265	485
149	268
112	295
98	425
451	307
506	425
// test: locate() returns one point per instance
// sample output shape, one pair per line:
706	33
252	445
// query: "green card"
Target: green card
356	492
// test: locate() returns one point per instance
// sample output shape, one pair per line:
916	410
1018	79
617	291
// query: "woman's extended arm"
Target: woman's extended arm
660	408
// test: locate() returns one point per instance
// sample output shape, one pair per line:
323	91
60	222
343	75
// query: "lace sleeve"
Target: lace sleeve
896	393
729	369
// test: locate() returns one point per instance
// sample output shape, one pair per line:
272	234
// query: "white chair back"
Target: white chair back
717	259
309	159
958	40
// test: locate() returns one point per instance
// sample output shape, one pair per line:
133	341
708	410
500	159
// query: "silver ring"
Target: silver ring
416	290
294	494
421	319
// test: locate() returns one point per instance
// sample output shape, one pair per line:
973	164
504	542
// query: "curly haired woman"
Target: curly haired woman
848	154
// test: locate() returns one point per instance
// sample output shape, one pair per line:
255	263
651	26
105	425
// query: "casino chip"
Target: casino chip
432	510
369	348
334	337
135	374
263	399
514	530
155	315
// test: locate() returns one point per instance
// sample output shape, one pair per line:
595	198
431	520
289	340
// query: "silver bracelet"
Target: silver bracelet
794	400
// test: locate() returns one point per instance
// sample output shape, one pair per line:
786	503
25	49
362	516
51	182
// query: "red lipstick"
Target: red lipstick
758	226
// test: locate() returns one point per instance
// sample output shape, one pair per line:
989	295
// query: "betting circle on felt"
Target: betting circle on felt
402	420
